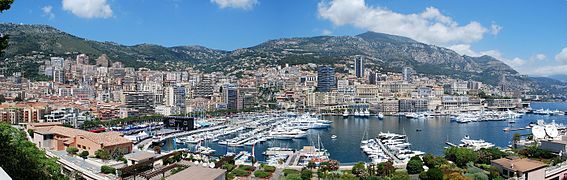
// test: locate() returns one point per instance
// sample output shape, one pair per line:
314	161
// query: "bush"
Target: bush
240	172
460	156
246	167
293	177
178	169
84	154
306	174
400	176
290	171
102	154
228	167
72	150
261	174
359	170
415	166
107	169
434	174
269	168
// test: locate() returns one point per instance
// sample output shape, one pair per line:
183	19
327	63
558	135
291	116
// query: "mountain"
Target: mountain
560	77
386	53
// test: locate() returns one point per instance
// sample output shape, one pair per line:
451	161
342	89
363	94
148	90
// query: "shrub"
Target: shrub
290	171
72	150
228	167
240	172
107	169
261	174
246	167
269	168
398	175
306	174
415	166
84	154
359	170
178	169
434	174
102	154
293	177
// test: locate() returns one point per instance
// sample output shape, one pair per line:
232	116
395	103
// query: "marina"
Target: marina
426	135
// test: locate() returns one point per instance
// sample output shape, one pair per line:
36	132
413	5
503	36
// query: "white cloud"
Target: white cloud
326	32
562	56
495	29
88	8
539	57
48	11
548	70
239	4
465	49
429	26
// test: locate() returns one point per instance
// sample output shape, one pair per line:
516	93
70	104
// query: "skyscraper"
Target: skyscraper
231	96
407	72
175	98
325	78
359	66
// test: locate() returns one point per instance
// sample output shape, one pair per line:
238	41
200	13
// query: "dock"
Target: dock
396	159
450	144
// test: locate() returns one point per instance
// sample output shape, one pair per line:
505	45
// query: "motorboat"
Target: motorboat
345	114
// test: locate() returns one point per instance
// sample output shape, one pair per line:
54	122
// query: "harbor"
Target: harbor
428	135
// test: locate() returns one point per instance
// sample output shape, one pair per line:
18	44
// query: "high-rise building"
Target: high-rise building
407	72
231	96
82	59
359	66
175	98
325	79
142	102
204	88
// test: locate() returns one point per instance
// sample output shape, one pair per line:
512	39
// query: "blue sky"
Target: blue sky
528	35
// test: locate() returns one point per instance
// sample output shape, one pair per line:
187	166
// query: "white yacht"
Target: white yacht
345	114
475	144
366	113
380	115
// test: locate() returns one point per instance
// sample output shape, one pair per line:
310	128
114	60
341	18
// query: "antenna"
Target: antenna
551	130
538	132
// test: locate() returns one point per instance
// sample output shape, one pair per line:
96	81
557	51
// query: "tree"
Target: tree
4	5
385	168
72	150
400	176
306	174
84	154
2	99
107	169
102	154
460	156
311	165
517	137
434	174
359	170
21	159
415	165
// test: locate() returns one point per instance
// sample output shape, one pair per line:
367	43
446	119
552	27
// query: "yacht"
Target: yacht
380	115
366	113
334	136
356	113
345	114
475	144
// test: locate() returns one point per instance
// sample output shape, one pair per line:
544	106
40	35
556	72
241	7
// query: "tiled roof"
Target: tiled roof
105	138
520	164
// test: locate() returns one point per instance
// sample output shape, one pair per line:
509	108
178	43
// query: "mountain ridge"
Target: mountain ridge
385	53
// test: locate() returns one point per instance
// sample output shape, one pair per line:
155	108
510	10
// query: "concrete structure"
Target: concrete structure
142	102
521	168
359	66
197	172
325	79
555	146
53	136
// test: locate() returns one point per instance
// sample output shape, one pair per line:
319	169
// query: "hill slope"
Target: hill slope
386	53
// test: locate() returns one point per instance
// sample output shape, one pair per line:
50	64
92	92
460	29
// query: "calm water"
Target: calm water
435	132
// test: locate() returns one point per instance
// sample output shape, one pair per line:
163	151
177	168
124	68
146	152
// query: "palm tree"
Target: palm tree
516	139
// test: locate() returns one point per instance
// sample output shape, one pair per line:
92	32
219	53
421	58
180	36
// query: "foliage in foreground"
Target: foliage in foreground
21	159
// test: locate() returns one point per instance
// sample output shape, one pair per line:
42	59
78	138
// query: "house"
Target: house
521	168
54	136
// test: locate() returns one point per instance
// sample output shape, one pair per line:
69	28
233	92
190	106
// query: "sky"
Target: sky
530	36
